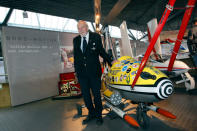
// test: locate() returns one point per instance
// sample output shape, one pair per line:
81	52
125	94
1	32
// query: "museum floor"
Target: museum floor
60	115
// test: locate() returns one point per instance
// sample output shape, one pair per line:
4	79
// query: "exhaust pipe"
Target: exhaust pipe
161	111
123	115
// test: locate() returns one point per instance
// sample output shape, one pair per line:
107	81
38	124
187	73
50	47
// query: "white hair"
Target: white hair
82	21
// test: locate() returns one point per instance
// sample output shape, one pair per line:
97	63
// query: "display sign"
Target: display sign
32	59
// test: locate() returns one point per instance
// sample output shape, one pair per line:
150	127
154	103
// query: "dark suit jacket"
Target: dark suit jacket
88	63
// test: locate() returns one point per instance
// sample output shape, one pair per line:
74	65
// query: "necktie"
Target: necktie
84	44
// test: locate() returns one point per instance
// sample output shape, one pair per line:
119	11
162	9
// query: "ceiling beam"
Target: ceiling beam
118	7
131	35
143	36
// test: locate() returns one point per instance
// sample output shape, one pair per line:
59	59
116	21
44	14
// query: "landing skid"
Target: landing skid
142	117
141	113
111	114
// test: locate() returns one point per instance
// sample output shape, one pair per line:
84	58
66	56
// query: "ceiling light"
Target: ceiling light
97	16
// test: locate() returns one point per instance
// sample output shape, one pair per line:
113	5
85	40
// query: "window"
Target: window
17	19
3	13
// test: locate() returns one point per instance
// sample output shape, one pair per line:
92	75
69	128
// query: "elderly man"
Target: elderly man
87	49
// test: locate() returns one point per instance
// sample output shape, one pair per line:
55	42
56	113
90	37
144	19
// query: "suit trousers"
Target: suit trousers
92	83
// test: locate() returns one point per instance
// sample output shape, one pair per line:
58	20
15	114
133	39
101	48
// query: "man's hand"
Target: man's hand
114	61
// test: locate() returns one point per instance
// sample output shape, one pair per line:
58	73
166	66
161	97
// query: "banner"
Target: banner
66	52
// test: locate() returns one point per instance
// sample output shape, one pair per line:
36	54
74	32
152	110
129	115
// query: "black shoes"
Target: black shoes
88	119
99	121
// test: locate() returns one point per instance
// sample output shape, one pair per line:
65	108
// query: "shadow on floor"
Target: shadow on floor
119	124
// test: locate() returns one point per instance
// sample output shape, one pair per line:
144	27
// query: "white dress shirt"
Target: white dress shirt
87	39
